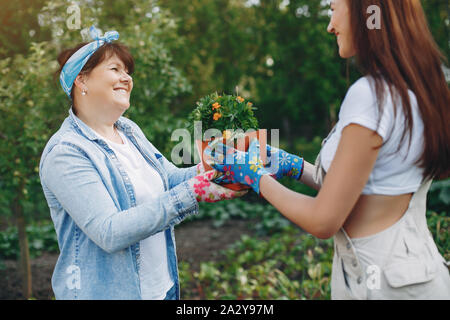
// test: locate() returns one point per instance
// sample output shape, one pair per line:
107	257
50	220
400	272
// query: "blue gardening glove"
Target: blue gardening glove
238	166
283	164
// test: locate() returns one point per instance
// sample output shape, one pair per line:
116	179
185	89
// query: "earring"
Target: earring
83	92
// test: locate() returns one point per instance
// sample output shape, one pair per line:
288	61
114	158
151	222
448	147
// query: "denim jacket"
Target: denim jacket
93	207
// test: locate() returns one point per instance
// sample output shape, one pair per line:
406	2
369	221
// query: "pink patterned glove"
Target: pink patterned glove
200	168
207	191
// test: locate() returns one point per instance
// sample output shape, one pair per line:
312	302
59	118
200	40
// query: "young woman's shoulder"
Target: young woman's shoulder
360	106
360	99
363	88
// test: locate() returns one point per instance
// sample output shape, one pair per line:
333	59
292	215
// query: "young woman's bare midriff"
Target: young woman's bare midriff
375	213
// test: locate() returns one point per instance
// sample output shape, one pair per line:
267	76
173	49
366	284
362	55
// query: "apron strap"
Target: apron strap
319	173
418	207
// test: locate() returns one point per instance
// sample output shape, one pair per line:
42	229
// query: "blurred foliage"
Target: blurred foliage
27	106
289	265
270	53
439	196
41	238
19	26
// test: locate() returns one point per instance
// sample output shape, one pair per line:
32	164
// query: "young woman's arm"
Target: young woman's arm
325	214
307	176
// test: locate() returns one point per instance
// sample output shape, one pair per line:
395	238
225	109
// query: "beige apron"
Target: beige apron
400	262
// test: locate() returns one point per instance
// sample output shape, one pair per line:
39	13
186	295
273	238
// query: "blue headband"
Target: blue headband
77	61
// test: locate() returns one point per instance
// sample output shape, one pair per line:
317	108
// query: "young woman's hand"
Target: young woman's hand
205	190
238	166
282	163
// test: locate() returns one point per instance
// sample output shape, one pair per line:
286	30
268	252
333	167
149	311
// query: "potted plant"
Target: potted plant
233	116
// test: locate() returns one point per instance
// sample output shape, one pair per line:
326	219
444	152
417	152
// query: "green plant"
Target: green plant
41	238
439	225
288	265
265	219
224	112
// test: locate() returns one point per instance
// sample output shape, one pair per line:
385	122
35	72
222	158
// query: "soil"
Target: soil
196	241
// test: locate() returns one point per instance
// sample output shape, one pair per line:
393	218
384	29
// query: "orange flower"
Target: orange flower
217	116
249	104
240	99
216	106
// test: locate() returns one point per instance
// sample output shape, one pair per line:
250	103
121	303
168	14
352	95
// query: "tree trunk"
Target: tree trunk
24	259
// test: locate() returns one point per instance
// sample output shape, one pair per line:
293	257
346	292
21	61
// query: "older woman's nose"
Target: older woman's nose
126	77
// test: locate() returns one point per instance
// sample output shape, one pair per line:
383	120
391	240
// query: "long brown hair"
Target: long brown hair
404	54
104	52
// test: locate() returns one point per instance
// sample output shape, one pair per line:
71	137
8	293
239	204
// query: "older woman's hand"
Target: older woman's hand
207	191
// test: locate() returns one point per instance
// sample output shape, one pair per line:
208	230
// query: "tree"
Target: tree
26	97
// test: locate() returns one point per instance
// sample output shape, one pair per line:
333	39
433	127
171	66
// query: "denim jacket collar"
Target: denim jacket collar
89	133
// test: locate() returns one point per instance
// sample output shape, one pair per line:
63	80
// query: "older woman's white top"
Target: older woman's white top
155	279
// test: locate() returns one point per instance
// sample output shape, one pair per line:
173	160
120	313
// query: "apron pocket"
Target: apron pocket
408	273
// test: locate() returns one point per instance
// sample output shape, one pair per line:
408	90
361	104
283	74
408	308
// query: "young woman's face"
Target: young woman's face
340	26
109	84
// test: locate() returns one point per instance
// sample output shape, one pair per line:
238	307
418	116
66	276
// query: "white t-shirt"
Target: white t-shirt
393	174
155	279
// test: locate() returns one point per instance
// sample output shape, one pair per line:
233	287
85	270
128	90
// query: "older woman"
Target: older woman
113	197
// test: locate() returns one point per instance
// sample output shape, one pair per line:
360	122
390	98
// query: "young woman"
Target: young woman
376	166
114	199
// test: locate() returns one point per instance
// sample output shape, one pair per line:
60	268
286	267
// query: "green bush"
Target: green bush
41	238
439	225
267	219
288	265
439	196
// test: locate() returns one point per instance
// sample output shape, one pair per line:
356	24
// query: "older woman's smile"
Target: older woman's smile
122	91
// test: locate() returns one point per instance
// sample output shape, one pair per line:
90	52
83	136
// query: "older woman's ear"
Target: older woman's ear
80	82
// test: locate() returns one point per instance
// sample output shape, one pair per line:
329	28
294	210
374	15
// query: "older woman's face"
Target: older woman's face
340	26
109	84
